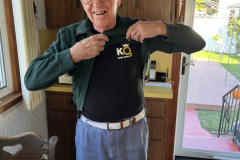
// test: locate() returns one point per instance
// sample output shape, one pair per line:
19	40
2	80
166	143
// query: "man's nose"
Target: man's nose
97	3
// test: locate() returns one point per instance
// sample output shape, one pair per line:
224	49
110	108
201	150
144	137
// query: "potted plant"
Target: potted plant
234	30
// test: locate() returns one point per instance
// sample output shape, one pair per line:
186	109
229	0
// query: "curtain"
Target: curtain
30	46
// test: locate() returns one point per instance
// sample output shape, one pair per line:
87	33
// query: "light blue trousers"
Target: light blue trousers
129	143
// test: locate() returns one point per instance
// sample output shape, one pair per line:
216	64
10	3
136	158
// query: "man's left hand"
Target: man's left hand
146	29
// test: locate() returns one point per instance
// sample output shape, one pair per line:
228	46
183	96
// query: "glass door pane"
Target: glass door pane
216	72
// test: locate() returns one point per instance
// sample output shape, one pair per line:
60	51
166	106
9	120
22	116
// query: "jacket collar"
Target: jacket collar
85	27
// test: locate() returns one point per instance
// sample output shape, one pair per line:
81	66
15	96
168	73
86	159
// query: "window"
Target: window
6	86
10	90
3	83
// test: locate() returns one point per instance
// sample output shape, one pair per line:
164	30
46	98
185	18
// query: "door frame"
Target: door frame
181	106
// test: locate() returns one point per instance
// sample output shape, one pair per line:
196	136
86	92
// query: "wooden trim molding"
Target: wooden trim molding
15	97
9	101
172	110
12	45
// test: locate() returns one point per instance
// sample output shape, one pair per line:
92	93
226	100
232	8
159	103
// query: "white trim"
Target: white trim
189	12
6	55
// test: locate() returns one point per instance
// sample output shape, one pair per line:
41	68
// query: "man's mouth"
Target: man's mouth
99	13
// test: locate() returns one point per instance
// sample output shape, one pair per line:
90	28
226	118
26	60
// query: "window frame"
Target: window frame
15	97
5	55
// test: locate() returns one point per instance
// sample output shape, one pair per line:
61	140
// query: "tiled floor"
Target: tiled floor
205	91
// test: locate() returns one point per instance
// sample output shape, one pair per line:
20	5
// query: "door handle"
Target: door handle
184	64
187	64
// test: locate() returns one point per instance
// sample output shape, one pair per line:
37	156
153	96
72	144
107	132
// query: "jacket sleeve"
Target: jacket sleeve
44	70
181	38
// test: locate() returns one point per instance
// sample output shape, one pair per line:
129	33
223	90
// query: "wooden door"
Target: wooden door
148	9
54	13
75	12
157	112
63	124
60	13
156	150
62	119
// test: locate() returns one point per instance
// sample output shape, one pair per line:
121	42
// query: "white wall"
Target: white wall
208	27
17	120
40	19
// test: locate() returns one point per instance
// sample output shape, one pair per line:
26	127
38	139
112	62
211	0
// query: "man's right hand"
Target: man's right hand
88	48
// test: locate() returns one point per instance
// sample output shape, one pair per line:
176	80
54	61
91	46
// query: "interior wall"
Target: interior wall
161	65
17	119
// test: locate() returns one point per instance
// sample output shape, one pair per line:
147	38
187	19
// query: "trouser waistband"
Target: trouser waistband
115	125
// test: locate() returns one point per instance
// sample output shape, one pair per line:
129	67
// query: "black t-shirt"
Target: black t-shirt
115	89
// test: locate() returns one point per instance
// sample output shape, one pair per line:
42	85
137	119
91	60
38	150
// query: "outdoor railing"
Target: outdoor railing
230	114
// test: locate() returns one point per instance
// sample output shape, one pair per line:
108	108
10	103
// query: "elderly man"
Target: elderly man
107	57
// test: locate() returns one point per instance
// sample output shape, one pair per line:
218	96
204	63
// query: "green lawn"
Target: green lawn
223	60
210	119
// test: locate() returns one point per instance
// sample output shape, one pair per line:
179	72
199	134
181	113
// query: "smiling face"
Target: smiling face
102	14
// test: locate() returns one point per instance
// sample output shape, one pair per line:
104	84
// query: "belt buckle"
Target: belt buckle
121	125
108	126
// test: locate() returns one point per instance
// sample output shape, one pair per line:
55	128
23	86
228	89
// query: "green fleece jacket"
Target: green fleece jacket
56	61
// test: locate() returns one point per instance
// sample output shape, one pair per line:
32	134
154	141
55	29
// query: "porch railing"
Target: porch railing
230	114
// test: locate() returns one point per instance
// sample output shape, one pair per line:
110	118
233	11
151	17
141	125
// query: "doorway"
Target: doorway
203	84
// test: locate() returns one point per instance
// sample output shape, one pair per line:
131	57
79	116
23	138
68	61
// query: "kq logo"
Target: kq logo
124	52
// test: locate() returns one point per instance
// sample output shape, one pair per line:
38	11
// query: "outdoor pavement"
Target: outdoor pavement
198	138
205	91
206	85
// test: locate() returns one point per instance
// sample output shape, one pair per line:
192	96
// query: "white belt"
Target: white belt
114	126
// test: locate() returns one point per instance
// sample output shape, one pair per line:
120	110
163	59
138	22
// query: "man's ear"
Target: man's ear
119	2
